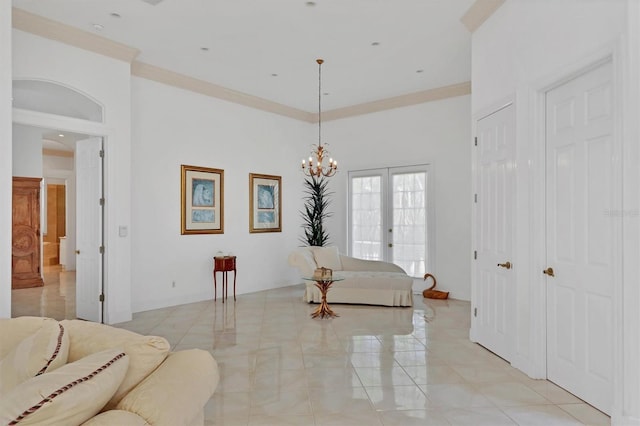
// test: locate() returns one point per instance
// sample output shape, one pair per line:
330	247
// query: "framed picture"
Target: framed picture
202	194
265	203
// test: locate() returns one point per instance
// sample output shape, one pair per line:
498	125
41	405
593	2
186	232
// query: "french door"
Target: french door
390	217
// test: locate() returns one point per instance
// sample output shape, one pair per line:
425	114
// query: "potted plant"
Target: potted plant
316	203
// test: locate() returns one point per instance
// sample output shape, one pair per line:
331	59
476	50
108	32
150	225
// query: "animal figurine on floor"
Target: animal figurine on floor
430	293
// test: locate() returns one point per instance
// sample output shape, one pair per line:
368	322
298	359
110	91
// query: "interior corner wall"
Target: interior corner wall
520	45
172	127
6	181
27	151
108	81
436	133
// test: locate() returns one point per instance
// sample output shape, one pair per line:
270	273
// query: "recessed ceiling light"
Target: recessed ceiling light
115	15
375	43
97	27
419	71
310	3
61	135
204	49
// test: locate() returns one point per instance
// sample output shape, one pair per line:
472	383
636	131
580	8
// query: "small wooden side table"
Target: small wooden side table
224	264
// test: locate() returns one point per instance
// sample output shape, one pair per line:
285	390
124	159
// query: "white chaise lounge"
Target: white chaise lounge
366	282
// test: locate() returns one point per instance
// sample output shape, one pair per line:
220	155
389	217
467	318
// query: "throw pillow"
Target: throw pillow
67	396
145	352
41	352
328	257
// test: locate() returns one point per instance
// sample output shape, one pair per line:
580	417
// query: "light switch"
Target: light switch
123	231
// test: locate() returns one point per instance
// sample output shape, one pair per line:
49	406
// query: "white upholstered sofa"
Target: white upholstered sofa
75	372
366	282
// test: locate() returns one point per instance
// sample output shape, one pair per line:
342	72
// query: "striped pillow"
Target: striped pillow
69	395
42	351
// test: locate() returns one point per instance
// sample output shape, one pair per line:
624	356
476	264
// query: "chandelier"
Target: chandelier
316	167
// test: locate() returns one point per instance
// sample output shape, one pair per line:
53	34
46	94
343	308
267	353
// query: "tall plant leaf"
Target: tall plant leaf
316	210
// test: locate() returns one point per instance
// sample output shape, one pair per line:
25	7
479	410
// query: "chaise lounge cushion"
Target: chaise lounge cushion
69	395
366	282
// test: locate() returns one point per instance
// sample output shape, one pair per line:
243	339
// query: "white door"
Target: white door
89	216
494	277
389	217
580	167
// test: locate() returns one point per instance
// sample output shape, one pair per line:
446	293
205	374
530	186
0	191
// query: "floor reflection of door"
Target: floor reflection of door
56	299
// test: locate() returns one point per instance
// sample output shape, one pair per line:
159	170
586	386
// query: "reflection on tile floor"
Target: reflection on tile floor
370	366
56	299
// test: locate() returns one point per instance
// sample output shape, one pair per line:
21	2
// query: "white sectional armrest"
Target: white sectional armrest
176	392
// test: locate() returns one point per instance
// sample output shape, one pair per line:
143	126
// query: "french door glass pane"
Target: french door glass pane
366	217
410	222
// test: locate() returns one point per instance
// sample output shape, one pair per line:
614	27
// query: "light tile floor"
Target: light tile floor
370	366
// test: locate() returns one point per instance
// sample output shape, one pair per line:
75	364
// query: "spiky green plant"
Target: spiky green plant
316	203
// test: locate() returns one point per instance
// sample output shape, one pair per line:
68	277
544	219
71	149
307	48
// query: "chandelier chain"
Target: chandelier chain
319	103
316	167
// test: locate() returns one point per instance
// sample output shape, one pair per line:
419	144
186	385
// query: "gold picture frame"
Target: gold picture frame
265	203
202	205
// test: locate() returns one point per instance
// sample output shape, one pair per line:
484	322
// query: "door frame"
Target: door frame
90	128
484	113
534	97
387	206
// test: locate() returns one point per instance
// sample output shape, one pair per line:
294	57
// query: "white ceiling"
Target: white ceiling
249	40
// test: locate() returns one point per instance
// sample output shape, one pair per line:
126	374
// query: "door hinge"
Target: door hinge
475	254
101	298
475	198
475	312
475	141
101	153
101	249
102	201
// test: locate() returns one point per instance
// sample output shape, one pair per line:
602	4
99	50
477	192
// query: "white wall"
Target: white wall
523	45
6	185
107	81
435	133
27	151
173	127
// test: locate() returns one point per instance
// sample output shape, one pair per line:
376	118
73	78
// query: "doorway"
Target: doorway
391	219
64	111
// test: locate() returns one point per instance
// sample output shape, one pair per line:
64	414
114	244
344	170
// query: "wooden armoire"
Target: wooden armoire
25	241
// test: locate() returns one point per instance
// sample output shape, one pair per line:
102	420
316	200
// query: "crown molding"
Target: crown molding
415	98
57	153
35	24
161	75
479	12
38	25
